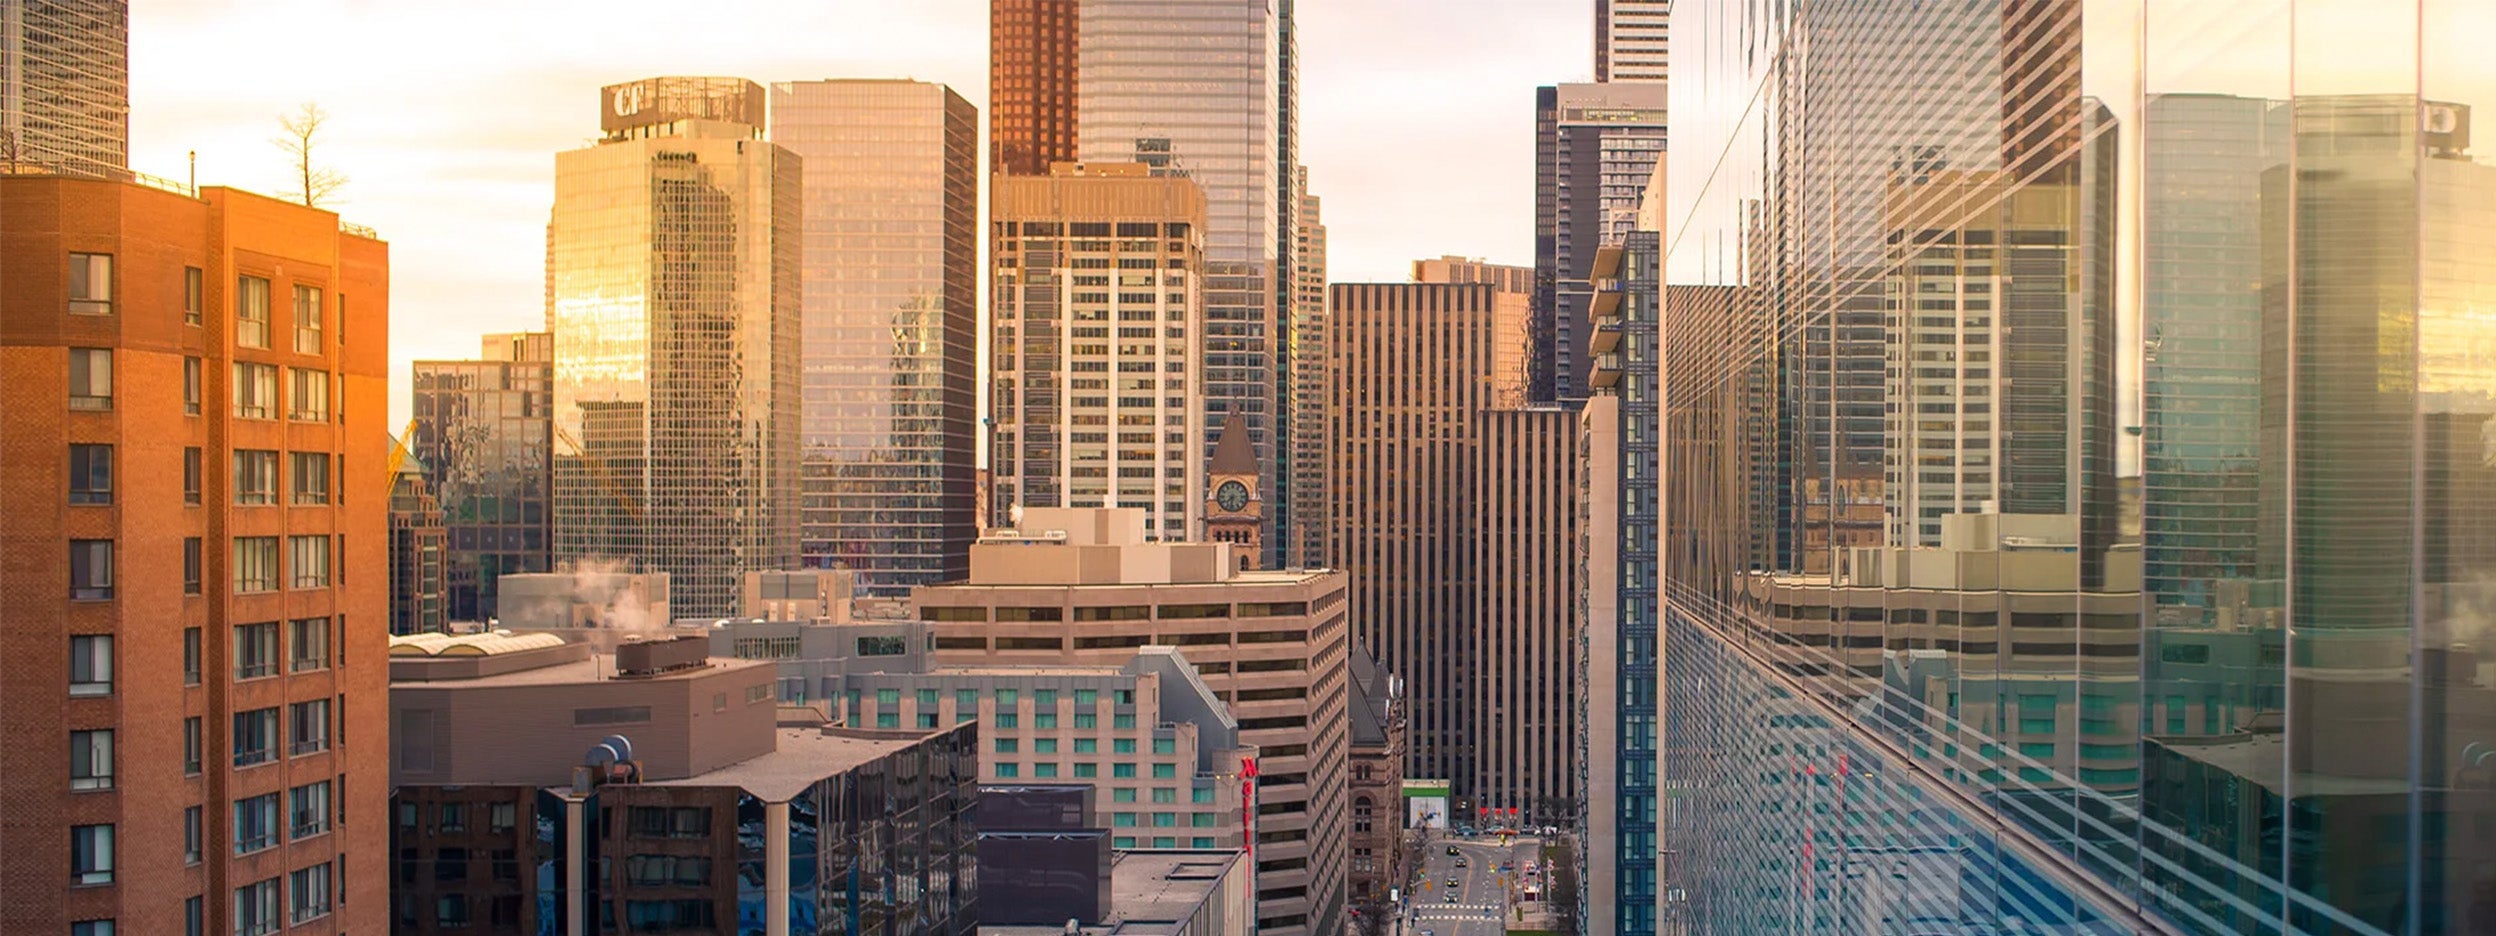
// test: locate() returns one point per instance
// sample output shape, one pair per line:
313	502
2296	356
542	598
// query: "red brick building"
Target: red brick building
192	567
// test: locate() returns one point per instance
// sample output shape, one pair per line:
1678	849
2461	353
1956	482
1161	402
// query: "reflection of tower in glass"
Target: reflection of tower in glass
2201	333
892	181
672	260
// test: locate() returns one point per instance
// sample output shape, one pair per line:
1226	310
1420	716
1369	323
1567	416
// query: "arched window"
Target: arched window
1360	815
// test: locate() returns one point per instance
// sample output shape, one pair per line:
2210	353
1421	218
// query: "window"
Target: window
191	483
1009	746
91	854
1122	745
90	378
310	397
308	890
1122	771
1044	721
194	835
90	570
255	737
309	638
90	760
1165	746
1044	769
1122	722
255	823
190	656
194	299
194	738
255	650
194	562
671	822
307	727
255	390
1165	794
1007	720
452	817
90	474
90	284
1009	771
255	477
255	563
1122	795
1086	697
883	646
307	810
1087	770
501	817
251	319
194	393
307	320
255	905
311	477
308	557
90	665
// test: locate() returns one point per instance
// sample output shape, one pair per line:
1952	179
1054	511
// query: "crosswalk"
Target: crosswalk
1448	911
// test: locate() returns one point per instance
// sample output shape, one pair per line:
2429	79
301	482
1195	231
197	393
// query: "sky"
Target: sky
445	115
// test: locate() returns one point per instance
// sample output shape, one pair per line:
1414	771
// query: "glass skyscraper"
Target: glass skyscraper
2079	469
891	277
483	437
673	268
65	84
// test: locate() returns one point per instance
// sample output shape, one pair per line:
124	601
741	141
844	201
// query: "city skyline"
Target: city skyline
458	167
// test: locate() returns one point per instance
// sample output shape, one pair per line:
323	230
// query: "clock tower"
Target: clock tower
1234	505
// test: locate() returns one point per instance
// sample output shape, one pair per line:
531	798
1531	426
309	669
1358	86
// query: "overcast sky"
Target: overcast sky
446	115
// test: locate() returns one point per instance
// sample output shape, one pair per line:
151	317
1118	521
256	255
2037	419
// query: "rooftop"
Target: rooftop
1152	893
590	668
803	757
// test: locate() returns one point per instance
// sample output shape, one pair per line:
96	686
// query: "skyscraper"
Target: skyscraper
1454	506
1031	84
1198	88
1595	147
1312	394
2221	675
484	436
198	562
1098	314
65	85
1633	40
419	560
890	277
674	266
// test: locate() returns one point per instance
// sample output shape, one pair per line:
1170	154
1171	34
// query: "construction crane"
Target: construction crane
398	457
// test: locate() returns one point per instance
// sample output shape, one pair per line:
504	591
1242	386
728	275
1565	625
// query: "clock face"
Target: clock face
1231	496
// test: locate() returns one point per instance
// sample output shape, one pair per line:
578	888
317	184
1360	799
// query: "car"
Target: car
1460	862
1451	896
1451	849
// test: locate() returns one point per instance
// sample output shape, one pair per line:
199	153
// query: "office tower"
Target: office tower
2201	311
419	566
1464	271
1198	88
197	553
673	255
65	85
1098	306
1455	509
1031	84
1595	147
484	435
2255	717
1312	393
1633	40
891	281
1377	785
1270	644
540	786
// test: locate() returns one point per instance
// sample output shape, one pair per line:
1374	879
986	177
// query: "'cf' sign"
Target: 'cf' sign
630	98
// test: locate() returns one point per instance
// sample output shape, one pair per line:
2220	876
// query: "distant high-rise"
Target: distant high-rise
419	554
1462	271
484	436
674	257
1312	395
1031	84
1596	145
1632	40
891	282
1454	506
197	555
65	84
1098	314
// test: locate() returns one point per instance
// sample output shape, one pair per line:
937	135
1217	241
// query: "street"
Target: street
1481	907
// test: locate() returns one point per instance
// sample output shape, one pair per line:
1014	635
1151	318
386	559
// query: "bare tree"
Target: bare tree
300	137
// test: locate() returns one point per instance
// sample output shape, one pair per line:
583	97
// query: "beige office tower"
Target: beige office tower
1085	587
1432	450
673	261
1526	622
1098	310
1632	39
1312	393
1461	271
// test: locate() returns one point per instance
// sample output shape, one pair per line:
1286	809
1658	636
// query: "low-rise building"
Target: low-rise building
1164	892
1377	784
540	786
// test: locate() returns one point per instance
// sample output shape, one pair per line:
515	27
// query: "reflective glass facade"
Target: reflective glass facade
2078	490
483	438
891	316
65	84
1197	87
673	262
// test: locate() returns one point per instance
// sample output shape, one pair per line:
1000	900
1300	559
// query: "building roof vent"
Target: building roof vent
642	658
